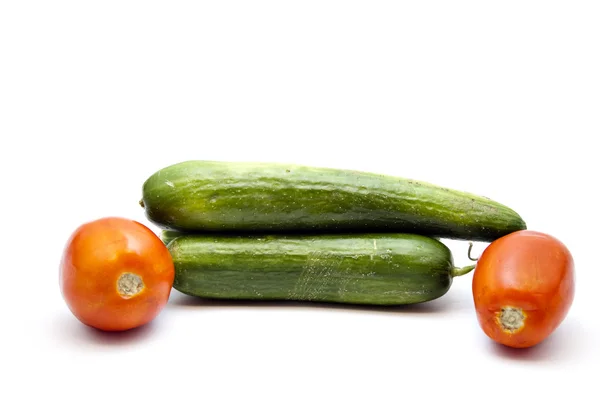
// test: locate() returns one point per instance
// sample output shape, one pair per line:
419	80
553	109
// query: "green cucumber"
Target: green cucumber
370	269
218	196
168	235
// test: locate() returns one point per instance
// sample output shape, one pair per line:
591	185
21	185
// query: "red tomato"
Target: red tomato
523	288
115	274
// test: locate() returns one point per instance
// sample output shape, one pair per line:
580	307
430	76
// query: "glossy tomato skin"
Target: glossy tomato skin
530	275
115	274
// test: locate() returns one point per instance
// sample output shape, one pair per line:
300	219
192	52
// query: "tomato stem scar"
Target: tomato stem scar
129	285
511	319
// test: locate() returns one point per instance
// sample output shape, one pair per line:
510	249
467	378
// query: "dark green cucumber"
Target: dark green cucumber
376	269
168	235
249	197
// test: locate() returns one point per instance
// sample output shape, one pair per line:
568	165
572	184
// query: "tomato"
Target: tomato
115	274
523	288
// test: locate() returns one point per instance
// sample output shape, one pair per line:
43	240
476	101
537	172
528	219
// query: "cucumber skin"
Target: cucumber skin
168	235
218	196
368	269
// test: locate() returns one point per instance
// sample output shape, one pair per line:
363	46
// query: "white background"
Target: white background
497	98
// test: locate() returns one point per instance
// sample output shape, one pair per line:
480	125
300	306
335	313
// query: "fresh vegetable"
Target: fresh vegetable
115	274
249	197
523	287
376	269
168	235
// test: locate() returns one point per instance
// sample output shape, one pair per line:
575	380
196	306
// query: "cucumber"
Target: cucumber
168	235
369	269
218	196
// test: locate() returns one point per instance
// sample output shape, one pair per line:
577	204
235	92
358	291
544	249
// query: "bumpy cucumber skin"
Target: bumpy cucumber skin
368	269
213	196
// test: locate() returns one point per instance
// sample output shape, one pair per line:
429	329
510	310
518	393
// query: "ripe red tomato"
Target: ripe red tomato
115	274
523	288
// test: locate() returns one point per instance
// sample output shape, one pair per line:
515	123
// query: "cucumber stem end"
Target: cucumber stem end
462	271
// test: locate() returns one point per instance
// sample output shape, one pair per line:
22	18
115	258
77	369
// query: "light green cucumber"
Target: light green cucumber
218	196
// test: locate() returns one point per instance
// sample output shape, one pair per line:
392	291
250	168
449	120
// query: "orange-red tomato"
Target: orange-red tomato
115	274
523	288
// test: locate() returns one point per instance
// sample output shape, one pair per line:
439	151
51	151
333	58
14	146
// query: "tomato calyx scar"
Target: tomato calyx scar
511	319
129	284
